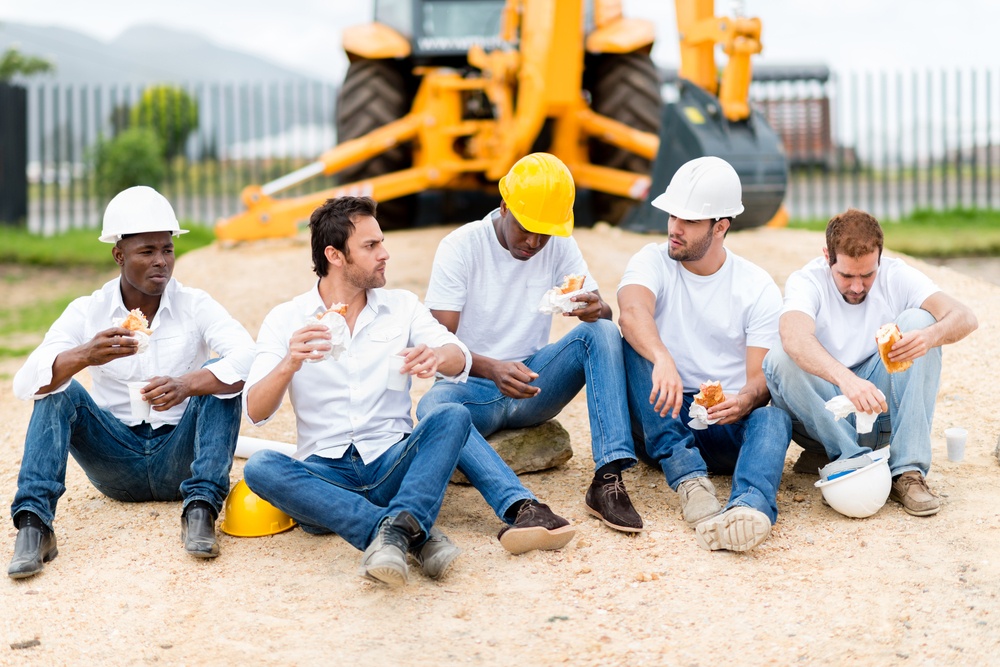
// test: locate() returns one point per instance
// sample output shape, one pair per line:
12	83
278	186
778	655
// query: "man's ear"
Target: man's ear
826	255
334	256
722	226
118	254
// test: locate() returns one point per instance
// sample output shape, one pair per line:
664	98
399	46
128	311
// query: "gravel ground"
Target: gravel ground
823	590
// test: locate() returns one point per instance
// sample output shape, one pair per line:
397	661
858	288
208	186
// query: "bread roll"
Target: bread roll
886	337
136	321
339	308
572	284
710	394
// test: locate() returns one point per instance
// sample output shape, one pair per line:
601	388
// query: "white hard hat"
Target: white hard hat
138	210
861	492
703	188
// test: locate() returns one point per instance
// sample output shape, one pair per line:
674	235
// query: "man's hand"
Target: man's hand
163	393
591	312
913	345
108	345
512	378
668	390
865	396
421	361
732	409
310	342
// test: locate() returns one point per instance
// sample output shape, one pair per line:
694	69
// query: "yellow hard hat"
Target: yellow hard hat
249	515
539	191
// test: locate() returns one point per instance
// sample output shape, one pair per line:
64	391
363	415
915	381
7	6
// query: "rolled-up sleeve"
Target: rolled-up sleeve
227	338
428	331
66	333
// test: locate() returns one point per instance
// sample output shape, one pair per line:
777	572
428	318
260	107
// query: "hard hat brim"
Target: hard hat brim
662	202
115	238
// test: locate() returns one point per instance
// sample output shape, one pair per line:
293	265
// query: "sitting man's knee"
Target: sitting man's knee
914	318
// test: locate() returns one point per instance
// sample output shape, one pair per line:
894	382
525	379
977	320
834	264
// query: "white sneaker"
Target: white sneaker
736	529
698	501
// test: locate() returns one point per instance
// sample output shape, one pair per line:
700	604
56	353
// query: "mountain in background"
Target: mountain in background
141	54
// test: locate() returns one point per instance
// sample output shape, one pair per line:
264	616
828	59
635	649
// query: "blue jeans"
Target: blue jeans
909	394
752	450
347	497
588	355
189	461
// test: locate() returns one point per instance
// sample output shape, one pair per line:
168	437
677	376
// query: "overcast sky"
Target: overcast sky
305	34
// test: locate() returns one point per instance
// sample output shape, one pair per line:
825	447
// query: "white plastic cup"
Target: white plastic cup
140	408
956	443
397	380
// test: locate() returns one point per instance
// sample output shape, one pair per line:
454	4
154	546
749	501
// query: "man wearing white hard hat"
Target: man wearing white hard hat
692	314
834	307
173	439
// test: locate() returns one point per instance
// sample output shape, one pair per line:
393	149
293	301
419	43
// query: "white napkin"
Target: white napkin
143	339
841	406
699	417
337	325
554	302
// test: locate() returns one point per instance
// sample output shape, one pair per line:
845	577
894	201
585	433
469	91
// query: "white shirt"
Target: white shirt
708	322
496	294
342	402
187	327
847	331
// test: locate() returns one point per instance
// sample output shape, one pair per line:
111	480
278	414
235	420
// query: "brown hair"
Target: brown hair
853	233
332	224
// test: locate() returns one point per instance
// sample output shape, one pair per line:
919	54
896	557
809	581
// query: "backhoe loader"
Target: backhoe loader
441	97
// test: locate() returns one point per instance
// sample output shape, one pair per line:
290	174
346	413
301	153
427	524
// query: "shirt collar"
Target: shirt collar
118	305
311	303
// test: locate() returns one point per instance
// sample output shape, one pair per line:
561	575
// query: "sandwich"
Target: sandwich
136	321
571	283
885	338
710	394
339	308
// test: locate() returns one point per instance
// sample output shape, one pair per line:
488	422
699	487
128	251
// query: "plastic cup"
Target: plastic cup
956	443
397	380
140	408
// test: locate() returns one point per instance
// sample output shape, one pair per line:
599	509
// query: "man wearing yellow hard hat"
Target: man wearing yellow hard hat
489	283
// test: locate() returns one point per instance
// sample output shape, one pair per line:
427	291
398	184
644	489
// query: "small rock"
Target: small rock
798	497
30	643
529	449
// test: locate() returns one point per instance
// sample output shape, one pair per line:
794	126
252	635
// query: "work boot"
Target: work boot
698	501
608	501
535	527
911	491
736	529
809	462
198	530
385	558
34	546
436	554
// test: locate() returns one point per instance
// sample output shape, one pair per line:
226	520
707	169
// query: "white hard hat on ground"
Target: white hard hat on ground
704	188
860	492
138	210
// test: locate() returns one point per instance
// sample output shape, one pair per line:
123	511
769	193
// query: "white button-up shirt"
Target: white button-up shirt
187	327
342	402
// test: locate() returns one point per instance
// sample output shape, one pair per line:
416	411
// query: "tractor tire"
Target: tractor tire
626	88
375	93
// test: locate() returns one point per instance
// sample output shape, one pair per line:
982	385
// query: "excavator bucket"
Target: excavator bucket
694	126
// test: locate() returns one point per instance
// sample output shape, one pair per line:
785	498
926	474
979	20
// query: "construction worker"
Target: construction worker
361	469
692	313
182	447
486	283
834	306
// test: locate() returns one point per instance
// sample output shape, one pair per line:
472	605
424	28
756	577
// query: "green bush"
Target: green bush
134	157
171	113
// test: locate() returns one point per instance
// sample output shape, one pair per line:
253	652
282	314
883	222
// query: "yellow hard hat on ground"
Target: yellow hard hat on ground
248	515
539	191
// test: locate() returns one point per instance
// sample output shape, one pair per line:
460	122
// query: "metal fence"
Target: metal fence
888	142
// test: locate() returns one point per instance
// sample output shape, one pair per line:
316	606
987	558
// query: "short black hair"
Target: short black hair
332	224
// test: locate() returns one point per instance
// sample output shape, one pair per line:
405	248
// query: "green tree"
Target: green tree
13	62
170	112
134	157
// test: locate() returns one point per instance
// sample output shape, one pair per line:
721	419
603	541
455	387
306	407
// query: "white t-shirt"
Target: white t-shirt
847	331
496	294
708	322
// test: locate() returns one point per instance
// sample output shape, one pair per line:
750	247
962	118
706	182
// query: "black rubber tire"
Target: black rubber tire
375	93
624	87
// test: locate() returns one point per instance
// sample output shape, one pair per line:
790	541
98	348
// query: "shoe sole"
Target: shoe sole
701	520
521	540
387	575
203	554
927	512
612	524
737	532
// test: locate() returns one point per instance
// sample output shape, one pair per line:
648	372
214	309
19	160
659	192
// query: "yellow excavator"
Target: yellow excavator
441	97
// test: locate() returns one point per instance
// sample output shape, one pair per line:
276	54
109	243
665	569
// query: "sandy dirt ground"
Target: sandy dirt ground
822	590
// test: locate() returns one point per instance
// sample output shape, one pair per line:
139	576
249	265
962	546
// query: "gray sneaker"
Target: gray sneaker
698	501
736	529
436	555
385	558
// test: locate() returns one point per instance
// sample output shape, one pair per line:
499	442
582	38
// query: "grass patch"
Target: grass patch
32	318
80	247
955	233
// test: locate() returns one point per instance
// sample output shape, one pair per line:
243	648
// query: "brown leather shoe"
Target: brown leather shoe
608	501
911	491
536	527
